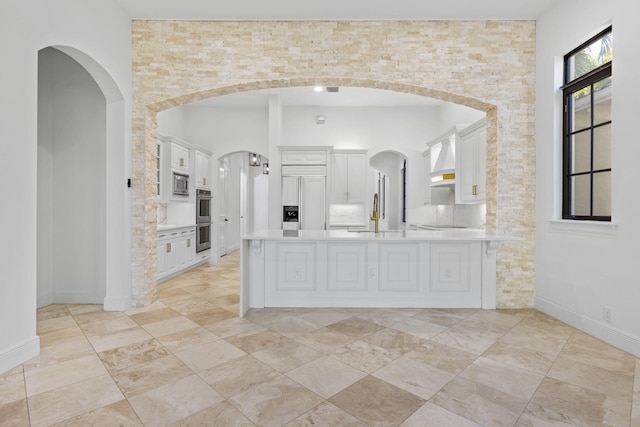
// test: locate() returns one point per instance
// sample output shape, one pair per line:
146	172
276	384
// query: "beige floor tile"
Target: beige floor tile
291	326
154	316
480	403
276	402
324	340
69	349
61	336
394	341
591	377
256	340
326	414
364	356
322	318
439	317
469	340
265	315
230	327
62	374
52	311
355	327
325	376
188	339
412	374
132	355
119	414
169	326
57	405
55	323
15	413
155	373
105	325
635	412
445	358
419	328
588	350
237	376
509	379
525	358
433	415
12	386
119	339
376	402
223	414
287	356
537	338
209	355
385	317
173	402
211	315
557	403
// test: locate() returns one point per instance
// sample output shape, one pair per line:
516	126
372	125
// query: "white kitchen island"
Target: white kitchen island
339	268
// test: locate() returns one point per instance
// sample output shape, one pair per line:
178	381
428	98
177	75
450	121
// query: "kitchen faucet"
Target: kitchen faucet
375	215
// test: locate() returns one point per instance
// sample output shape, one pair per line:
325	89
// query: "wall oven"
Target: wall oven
203	237
203	206
203	220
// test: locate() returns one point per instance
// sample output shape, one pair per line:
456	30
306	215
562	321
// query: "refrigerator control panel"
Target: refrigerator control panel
290	213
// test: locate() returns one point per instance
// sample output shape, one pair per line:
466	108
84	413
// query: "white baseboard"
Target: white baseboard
606	333
117	304
20	353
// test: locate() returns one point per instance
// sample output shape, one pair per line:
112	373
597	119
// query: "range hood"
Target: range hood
443	157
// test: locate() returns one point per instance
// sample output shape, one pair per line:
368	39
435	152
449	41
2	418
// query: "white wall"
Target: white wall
71	183
101	30
582	268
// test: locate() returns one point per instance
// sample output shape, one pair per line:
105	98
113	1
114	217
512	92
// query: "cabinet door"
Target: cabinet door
290	190
339	178
313	203
356	178
202	171
179	158
162	266
471	174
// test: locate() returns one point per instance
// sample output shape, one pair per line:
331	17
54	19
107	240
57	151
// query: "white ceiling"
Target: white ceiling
335	9
332	10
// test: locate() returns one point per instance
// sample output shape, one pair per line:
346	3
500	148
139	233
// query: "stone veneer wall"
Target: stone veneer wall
487	65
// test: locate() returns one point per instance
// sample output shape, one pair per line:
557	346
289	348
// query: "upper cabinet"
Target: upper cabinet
202	160
303	157
348	175
179	156
471	164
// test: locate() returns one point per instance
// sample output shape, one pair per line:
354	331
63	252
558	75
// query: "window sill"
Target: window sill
600	228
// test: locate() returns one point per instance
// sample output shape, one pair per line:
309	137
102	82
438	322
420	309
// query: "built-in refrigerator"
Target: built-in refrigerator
303	202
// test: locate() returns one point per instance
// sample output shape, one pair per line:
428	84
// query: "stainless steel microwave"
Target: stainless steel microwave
180	184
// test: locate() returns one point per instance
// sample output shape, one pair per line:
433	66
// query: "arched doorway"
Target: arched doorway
83	211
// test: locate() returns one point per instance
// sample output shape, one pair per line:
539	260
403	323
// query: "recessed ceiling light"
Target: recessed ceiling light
318	88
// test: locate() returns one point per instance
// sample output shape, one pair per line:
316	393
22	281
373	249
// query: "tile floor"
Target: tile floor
188	360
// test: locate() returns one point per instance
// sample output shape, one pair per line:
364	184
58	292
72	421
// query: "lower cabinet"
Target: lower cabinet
372	274
176	251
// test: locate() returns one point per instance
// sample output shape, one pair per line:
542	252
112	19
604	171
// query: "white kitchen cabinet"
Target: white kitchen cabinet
303	157
348	177
179	157
290	190
202	168
471	164
176	251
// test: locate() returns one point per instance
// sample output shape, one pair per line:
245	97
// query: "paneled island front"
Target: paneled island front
340	268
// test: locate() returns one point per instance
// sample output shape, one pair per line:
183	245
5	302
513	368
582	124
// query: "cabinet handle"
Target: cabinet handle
181	161
168	248
474	190
204	181
188	243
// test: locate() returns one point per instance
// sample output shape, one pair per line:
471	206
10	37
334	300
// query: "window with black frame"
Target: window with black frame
587	130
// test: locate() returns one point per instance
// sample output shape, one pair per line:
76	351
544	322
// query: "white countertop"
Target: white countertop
421	235
165	227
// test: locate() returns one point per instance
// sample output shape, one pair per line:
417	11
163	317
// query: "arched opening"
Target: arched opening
272	142
82	208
